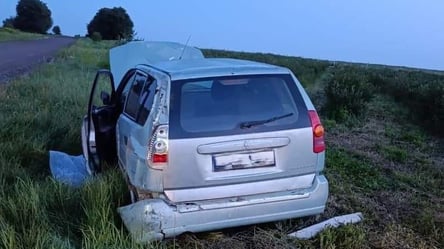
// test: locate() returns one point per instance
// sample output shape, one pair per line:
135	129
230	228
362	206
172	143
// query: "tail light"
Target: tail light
318	132
158	148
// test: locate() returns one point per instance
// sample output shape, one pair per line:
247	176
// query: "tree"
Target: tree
96	36
56	30
33	16
9	22
112	24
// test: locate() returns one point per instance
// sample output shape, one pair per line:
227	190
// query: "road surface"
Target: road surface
18	57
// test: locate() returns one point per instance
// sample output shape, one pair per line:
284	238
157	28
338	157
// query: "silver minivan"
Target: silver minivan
204	143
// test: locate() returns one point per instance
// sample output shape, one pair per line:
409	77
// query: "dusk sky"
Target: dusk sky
394	32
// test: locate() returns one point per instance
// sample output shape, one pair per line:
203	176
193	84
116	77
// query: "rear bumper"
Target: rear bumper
154	219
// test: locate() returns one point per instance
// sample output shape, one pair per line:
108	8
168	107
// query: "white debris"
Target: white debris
311	231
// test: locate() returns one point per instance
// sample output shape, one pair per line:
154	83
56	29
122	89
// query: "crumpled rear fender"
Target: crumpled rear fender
143	219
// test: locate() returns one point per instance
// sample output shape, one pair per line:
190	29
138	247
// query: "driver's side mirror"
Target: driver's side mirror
105	97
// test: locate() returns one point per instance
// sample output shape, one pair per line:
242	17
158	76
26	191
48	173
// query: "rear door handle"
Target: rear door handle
125	140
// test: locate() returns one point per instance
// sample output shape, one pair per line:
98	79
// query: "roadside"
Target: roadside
388	167
18	57
9	34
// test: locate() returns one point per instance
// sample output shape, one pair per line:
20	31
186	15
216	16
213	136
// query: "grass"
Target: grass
9	34
355	170
391	170
383	166
42	112
394	153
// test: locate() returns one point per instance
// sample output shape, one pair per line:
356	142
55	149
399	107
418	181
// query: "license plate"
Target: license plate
245	160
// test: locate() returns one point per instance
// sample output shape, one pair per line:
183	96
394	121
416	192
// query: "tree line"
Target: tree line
108	23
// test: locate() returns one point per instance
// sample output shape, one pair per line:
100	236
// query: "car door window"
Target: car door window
125	91
133	101
102	85
147	99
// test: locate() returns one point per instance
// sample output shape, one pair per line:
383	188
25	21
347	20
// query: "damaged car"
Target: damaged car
204	143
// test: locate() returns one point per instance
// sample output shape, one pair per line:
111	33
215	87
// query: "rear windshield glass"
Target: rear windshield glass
235	105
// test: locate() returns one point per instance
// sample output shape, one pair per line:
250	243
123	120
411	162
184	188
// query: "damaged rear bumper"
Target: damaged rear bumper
154	219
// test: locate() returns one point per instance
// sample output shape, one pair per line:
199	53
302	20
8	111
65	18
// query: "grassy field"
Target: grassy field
8	34
383	163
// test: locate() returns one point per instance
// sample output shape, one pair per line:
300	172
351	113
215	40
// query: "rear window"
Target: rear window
235	105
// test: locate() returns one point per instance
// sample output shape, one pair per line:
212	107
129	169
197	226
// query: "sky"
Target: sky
393	32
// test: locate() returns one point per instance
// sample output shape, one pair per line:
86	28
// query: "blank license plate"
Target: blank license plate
246	160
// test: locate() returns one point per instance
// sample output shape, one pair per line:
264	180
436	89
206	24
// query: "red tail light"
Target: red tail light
160	158
158	148
318	132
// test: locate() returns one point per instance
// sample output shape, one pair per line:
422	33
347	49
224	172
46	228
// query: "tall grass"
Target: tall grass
421	92
10	34
42	112
347	94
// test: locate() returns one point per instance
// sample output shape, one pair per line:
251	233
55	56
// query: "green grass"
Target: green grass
9	34
394	153
42	112
383	166
355	170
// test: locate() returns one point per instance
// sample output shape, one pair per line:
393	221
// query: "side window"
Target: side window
133	100
125	91
147	100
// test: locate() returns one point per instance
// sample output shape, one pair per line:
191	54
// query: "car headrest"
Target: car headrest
220	92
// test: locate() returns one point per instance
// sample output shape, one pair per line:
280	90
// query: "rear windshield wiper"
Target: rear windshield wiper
250	124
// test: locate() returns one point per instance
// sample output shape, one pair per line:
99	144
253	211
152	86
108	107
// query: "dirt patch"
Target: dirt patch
399	237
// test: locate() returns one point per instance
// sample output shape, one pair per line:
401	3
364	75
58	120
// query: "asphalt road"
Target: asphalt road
18	57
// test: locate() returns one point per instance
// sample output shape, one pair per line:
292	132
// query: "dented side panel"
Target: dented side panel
143	219
139	173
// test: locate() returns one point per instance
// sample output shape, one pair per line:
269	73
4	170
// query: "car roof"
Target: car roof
213	67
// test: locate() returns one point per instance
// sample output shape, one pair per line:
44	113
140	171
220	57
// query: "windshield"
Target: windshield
229	105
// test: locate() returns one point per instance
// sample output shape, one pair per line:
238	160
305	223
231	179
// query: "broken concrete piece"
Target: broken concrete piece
311	231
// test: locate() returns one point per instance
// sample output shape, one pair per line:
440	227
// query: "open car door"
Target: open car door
99	124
